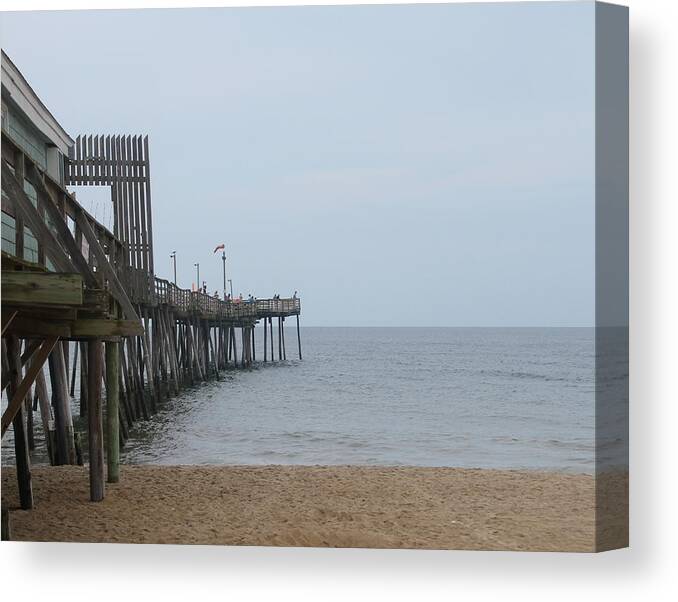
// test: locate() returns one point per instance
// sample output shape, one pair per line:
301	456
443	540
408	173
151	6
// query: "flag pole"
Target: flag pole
223	259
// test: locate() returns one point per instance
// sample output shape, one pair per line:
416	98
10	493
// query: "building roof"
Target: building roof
15	86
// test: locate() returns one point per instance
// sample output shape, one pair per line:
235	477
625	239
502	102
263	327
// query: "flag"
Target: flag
219	247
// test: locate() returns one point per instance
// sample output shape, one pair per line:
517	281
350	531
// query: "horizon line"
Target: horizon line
451	326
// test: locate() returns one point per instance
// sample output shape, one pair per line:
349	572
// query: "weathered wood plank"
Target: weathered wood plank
105	328
96	300
30	288
33	327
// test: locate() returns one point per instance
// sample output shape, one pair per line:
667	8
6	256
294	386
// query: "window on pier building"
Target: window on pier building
30	246
30	242
8	233
51	226
62	168
55	164
25	135
8	222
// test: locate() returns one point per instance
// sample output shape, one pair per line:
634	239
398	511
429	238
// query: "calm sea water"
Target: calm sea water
467	397
472	397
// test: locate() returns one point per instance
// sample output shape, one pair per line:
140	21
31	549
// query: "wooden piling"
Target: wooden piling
298	337
235	347
254	348
65	413
214	356
270	327
46	416
65	444
279	338
95	421
146	362
112	411
5	530
28	406
128	386
75	365
23	462
83	379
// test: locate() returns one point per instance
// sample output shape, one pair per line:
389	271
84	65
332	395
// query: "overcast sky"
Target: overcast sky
398	165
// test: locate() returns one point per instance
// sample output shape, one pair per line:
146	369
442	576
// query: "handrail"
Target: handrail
167	293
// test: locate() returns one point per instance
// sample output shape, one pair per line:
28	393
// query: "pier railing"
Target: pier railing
184	300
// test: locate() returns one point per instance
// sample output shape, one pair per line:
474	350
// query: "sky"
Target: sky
406	165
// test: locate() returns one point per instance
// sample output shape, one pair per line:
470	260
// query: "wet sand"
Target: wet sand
336	506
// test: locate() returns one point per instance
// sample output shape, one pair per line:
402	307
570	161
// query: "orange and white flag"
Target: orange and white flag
218	248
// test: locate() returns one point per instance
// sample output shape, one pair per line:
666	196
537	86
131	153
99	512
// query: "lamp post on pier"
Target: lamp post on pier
174	258
197	267
230	282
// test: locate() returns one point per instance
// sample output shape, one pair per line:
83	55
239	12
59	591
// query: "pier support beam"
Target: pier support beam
234	348
265	329
113	411
75	366
254	348
270	326
46	416
298	337
65	445
95	421
83	379
23	462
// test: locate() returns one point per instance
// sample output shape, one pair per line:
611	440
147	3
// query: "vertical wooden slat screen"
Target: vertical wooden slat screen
121	162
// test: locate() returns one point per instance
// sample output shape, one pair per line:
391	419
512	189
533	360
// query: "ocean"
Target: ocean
509	398
467	397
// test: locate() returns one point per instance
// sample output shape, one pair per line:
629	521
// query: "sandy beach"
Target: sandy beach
336	506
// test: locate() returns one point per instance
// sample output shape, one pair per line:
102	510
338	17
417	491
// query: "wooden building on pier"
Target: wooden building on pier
82	302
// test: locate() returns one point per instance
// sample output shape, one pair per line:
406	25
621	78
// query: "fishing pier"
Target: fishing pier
83	303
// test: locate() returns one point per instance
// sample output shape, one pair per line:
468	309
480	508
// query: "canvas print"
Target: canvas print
345	276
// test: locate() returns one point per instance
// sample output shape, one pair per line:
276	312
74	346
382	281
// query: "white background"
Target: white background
646	570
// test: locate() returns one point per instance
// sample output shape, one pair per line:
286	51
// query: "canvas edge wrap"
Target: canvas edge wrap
611	272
